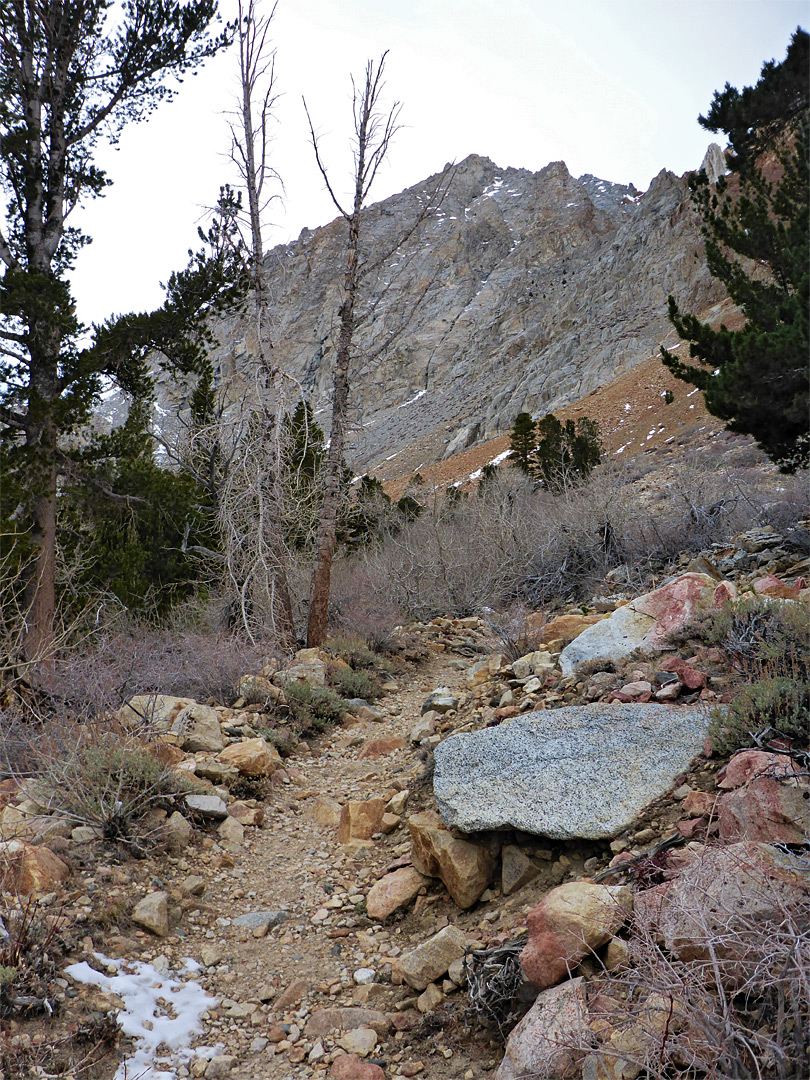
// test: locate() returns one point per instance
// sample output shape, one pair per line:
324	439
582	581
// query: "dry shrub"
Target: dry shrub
737	1007
515	633
362	606
515	543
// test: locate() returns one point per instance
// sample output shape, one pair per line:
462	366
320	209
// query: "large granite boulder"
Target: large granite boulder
584	771
644	623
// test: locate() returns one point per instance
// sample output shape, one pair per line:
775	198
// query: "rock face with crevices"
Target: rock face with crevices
533	290
579	772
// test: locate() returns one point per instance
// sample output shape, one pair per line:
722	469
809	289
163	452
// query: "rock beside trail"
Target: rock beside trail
464	868
577	772
431	959
568	924
644	622
544	1042
393	891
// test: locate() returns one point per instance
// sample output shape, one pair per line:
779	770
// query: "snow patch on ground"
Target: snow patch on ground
161	1013
413	399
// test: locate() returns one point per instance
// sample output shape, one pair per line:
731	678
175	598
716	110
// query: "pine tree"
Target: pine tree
71	73
522	442
757	235
566	454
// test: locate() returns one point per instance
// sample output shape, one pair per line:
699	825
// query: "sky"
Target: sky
611	87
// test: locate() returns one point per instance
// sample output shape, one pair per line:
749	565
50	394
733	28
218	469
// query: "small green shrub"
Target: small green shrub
780	703
284	740
113	786
763	637
354	651
314	707
356	684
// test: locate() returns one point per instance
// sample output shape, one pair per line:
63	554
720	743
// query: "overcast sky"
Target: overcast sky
611	87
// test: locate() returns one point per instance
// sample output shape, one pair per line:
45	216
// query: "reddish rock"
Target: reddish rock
690	827
640	690
770	585
750	763
375	748
507	711
698	803
766	809
352	1067
26	869
393	891
570	922
692	679
246	814
725	593
566	627
675	604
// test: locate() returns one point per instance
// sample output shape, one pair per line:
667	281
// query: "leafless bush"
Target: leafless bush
361	604
514	543
727	996
517	631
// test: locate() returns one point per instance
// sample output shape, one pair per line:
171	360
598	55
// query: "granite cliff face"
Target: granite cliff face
536	288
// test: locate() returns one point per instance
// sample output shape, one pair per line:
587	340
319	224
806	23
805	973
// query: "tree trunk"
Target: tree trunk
327	532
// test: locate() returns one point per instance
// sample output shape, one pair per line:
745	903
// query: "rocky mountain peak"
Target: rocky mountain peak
535	287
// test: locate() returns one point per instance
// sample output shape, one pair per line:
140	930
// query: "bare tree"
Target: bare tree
250	142
374	128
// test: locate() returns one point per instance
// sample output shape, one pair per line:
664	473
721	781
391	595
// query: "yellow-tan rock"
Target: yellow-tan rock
252	757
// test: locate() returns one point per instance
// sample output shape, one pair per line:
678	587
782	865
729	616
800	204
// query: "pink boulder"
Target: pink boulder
674	604
570	922
352	1067
750	763
768	810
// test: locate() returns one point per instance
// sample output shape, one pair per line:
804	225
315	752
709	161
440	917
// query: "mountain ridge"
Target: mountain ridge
535	289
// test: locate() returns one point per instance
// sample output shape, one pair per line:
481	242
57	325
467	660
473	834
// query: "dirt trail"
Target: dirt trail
294	864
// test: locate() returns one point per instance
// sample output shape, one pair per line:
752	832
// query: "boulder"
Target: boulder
747	764
207	806
464	868
252	757
393	891
768	809
256	690
359	820
706	911
158	711
431	959
152	913
538	663
568	924
547	1040
352	1067
197	728
348	1018
247	814
308	666
576	772
177	832
567	627
375	748
27	870
440	700
643	623
517	869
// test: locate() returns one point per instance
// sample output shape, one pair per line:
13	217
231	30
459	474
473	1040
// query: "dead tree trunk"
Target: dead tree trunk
373	131
249	152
